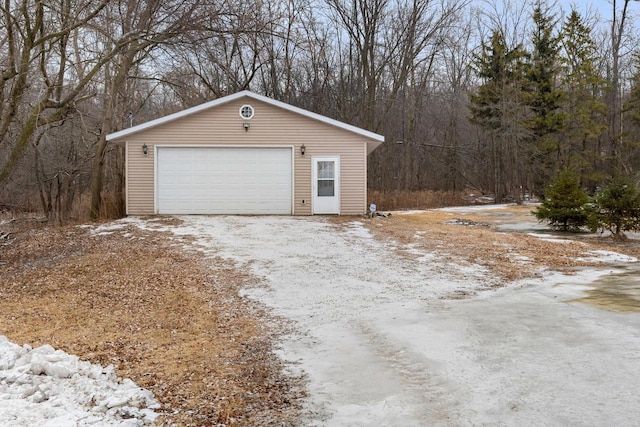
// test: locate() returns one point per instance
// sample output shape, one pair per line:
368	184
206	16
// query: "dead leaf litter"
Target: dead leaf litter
164	317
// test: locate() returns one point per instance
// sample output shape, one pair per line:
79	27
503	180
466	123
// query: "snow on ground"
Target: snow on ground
609	257
48	387
378	339
460	209
381	344
551	239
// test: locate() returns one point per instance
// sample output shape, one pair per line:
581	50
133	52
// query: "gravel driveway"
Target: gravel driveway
382	343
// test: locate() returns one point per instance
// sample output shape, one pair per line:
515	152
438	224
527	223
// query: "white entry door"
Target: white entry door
326	185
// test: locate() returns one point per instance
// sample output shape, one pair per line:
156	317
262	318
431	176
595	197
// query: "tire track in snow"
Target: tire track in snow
417	373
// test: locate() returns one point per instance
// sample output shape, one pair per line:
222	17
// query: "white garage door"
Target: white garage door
207	180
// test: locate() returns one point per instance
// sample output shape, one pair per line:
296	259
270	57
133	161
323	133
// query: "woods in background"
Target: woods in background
494	96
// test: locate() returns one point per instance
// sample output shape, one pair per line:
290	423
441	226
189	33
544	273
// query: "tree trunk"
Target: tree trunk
97	169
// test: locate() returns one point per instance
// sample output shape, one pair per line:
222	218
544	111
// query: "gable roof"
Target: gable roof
376	139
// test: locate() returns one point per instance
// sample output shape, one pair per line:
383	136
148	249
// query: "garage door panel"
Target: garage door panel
209	180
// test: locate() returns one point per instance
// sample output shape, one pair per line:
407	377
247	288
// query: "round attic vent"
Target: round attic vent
246	112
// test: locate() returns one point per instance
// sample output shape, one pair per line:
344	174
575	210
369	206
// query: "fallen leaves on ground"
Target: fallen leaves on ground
474	238
166	318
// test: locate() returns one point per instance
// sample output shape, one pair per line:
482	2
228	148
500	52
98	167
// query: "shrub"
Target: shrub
565	203
616	208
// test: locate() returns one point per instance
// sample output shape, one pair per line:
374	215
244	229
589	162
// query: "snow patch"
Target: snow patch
106	229
608	257
548	238
45	386
475	208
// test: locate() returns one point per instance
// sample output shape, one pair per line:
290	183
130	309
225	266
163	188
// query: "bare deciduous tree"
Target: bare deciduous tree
139	27
38	87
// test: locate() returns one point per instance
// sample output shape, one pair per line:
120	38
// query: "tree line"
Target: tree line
496	96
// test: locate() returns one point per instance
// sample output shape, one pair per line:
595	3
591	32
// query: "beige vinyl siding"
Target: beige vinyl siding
302	183
139	180
270	126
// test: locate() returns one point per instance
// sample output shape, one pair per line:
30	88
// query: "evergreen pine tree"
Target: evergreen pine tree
586	111
617	208
498	109
630	141
545	96
564	204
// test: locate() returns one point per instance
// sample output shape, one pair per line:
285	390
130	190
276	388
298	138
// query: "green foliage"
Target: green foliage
584	102
617	208
545	97
498	108
630	142
565	203
501	69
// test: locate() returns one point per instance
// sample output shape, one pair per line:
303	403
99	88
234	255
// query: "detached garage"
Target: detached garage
246	154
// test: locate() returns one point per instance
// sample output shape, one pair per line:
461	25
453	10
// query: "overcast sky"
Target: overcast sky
604	7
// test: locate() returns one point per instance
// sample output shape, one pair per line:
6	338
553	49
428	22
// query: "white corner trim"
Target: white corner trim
126	179
366	180
155	179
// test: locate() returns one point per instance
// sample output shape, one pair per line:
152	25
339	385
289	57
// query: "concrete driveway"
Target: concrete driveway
382	344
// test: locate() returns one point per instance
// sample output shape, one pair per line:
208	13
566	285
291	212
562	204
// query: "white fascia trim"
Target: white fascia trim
378	139
315	116
172	117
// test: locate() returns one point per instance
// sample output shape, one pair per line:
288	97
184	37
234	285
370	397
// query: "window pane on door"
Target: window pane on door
326	188
326	170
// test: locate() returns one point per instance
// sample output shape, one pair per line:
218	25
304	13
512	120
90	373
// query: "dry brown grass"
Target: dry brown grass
110	208
510	255
79	212
402	199
162	317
